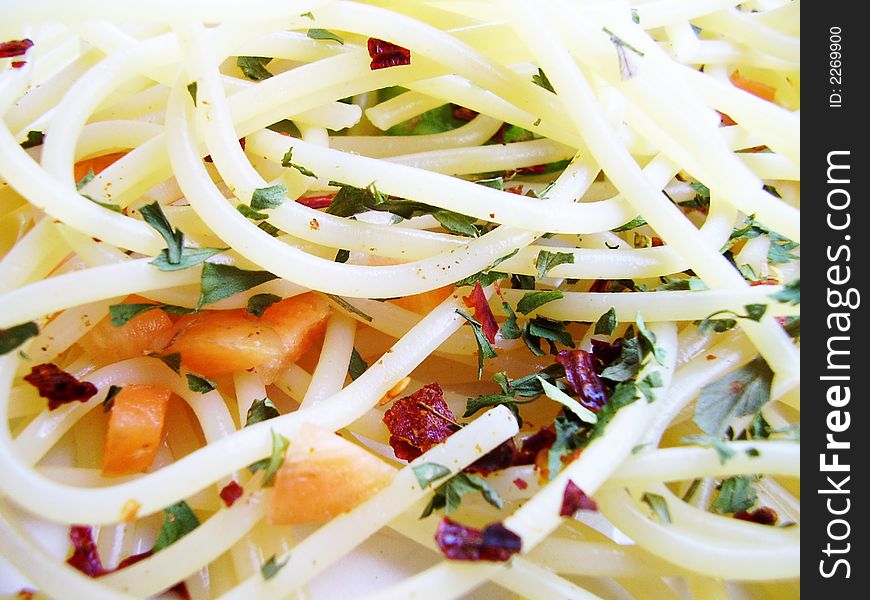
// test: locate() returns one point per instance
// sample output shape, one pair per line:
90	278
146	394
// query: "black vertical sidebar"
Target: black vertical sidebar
836	262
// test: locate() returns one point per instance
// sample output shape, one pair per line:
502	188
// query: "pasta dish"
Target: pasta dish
381	299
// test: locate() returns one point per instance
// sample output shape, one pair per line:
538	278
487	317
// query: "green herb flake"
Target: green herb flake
790	294
429	472
250	213
261	410
200	384
324	34
173	361
554	393
357	366
531	301
270	465
254	67
723	450
34	138
178	521
120	314
14	336
633	224
350	308
484	348
192	89
448	496
659	507
222	281
258	303
154	216
547	260
89	176
509	330
735	494
271	567
740	393
287	162
189	257
540	79
268	197
109	401
606	323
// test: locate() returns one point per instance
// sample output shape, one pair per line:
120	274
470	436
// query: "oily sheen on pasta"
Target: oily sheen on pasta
429	299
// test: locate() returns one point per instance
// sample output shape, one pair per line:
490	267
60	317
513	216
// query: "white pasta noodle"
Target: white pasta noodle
241	243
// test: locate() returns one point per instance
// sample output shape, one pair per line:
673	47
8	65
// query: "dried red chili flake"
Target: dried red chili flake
231	492
209	159
419	421
515	189
59	386
500	457
657	241
575	499
763	516
605	352
580	373
520	483
17	64
764	282
463	114
533	445
599	285
85	557
316	201
496	543
385	54
15	48
533	170
482	311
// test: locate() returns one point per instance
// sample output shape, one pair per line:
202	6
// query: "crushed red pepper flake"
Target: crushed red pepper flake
17	64
413	428
574	499
584	381
520	483
15	47
316	201
85	556
482	311
534	445
500	457
59	386
763	516
231	492
495	543
463	114
605	352
599	285
385	54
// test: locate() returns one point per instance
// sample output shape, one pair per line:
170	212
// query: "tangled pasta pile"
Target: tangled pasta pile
425	299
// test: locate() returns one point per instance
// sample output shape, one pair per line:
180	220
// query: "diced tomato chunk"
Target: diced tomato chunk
215	343
145	333
323	476
226	341
135	429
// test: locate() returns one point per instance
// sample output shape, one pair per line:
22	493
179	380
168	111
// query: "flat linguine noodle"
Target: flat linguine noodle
430	299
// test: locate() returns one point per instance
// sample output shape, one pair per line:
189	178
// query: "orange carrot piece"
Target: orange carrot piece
135	429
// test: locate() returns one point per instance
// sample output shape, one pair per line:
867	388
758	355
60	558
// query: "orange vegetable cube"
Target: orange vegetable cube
135	429
323	476
95	164
144	333
226	341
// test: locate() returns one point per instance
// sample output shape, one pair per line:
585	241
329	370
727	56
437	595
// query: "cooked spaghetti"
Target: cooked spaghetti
427	299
